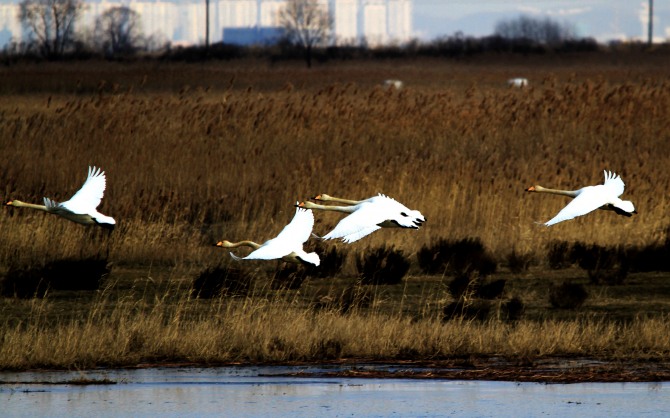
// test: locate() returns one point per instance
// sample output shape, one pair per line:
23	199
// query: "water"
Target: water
249	391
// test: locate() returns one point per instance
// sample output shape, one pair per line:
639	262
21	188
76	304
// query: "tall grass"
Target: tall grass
195	154
235	161
226	331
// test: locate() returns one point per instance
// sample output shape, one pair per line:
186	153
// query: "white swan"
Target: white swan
589	198
286	246
367	216
81	207
517	82
393	84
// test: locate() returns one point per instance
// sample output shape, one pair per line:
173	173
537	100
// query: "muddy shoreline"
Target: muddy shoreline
596	374
548	370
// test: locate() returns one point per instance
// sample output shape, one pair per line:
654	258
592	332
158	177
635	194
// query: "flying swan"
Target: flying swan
367	216
589	198
286	246
81	208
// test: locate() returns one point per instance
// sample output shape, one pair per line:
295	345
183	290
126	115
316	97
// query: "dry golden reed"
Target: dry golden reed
198	153
235	161
256	331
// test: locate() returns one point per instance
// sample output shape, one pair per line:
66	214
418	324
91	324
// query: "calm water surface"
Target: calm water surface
249	391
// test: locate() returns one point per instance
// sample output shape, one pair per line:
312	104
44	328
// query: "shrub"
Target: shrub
558	254
491	290
331	264
64	274
221	281
459	284
457	257
467	309
603	264
475	286
518	263
289	276
567	295
383	265
352	298
653	257
513	309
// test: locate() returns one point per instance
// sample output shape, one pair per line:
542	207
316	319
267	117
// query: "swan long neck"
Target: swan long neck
327	198
540	189
228	244
20	204
311	205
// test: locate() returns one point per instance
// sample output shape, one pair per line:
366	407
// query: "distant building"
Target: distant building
252	35
373	22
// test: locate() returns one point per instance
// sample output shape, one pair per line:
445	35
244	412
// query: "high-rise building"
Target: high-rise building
373	22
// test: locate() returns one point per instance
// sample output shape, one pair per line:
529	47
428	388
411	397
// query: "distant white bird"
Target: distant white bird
286	246
393	84
367	216
517	82
81	207
589	198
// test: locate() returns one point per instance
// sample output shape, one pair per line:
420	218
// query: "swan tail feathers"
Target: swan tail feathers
310	258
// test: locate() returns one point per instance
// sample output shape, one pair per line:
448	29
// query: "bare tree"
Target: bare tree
118	31
307	24
51	22
543	31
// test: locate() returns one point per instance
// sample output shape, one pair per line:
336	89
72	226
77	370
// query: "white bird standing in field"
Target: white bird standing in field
367	216
589	198
393	84
81	207
286	246
517	82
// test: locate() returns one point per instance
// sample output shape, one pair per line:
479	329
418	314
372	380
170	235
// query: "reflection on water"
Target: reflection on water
246	391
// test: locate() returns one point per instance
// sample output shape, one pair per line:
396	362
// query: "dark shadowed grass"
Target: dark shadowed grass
62	274
219	281
568	295
382	266
456	257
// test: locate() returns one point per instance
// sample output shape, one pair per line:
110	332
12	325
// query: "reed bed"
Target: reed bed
260	331
195	154
238	160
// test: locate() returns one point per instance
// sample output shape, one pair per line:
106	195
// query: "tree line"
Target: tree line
307	33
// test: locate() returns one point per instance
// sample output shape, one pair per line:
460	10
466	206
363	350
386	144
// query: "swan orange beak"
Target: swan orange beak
9	203
531	189
219	244
300	205
317	197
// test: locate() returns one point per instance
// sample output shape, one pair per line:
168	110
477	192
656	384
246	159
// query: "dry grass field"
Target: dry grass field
196	153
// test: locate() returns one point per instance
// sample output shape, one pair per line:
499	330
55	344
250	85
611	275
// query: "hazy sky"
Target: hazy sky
600	19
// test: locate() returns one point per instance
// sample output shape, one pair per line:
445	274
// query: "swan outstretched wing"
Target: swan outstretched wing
299	229
90	195
590	199
349	235
360	223
289	239
614	183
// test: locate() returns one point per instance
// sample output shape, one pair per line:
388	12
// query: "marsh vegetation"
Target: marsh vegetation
196	153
